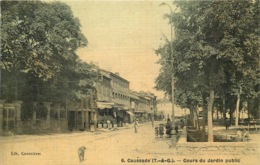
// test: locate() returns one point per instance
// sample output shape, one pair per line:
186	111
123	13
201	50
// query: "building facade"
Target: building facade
113	103
165	106
110	104
73	115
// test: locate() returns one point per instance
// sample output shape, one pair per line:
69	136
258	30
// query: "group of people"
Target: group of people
169	128
159	131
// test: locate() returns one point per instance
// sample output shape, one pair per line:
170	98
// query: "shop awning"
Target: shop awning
130	113
119	106
134	97
103	105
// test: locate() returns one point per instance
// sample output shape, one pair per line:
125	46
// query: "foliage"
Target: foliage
38	58
215	52
37	37
215	47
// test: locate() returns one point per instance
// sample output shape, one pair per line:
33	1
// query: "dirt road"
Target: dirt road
106	148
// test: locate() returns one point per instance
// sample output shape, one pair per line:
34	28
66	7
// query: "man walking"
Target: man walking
136	125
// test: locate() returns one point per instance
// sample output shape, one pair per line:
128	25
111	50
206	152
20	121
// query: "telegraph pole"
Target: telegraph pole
172	76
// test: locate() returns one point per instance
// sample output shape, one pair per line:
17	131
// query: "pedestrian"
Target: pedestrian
152	121
109	124
161	130
227	123
136	125
168	128
182	123
176	127
92	125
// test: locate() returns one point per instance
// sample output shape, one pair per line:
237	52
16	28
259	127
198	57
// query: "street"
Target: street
105	147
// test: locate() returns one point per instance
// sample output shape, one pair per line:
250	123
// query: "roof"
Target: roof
108	73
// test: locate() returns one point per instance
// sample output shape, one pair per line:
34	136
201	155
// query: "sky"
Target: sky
122	37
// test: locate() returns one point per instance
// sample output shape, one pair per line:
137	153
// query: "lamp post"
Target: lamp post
172	76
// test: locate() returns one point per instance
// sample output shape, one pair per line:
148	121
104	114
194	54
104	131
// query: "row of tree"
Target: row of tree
216	56
38	53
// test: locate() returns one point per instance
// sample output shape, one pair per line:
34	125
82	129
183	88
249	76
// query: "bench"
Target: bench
250	123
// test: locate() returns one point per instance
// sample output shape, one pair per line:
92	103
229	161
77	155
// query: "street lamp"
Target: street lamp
172	76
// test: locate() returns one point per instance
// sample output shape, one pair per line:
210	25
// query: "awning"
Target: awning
103	105
119	107
130	113
134	97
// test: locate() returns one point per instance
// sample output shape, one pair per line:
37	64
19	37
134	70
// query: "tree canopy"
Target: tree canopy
38	56
38	37
215	51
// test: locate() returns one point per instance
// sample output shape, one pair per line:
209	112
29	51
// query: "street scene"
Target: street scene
129	82
122	146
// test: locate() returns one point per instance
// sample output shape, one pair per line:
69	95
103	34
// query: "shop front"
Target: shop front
141	116
130	117
106	115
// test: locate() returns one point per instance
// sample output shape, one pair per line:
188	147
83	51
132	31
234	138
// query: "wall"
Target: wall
207	148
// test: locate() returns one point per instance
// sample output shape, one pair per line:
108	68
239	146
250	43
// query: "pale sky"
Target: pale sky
122	36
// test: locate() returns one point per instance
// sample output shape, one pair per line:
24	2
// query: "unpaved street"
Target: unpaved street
104	147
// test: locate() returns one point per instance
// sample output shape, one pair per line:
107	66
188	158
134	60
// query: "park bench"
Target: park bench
250	123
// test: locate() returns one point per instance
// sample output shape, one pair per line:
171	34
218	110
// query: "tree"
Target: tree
38	58
37	37
213	44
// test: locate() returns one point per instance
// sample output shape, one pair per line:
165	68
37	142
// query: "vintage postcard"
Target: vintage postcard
129	82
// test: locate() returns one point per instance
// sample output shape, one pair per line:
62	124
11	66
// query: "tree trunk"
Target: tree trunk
204	113
248	109
210	124
237	109
15	85
15	89
217	116
231	117
197	119
224	108
192	116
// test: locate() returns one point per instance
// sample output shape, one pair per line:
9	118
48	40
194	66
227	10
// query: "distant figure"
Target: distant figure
92	125
168	128
152	121
227	123
81	153
182	123
161	130
176	128
156	129
109	125
136	125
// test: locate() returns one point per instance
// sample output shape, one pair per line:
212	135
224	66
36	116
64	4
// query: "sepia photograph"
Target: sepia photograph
130	82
